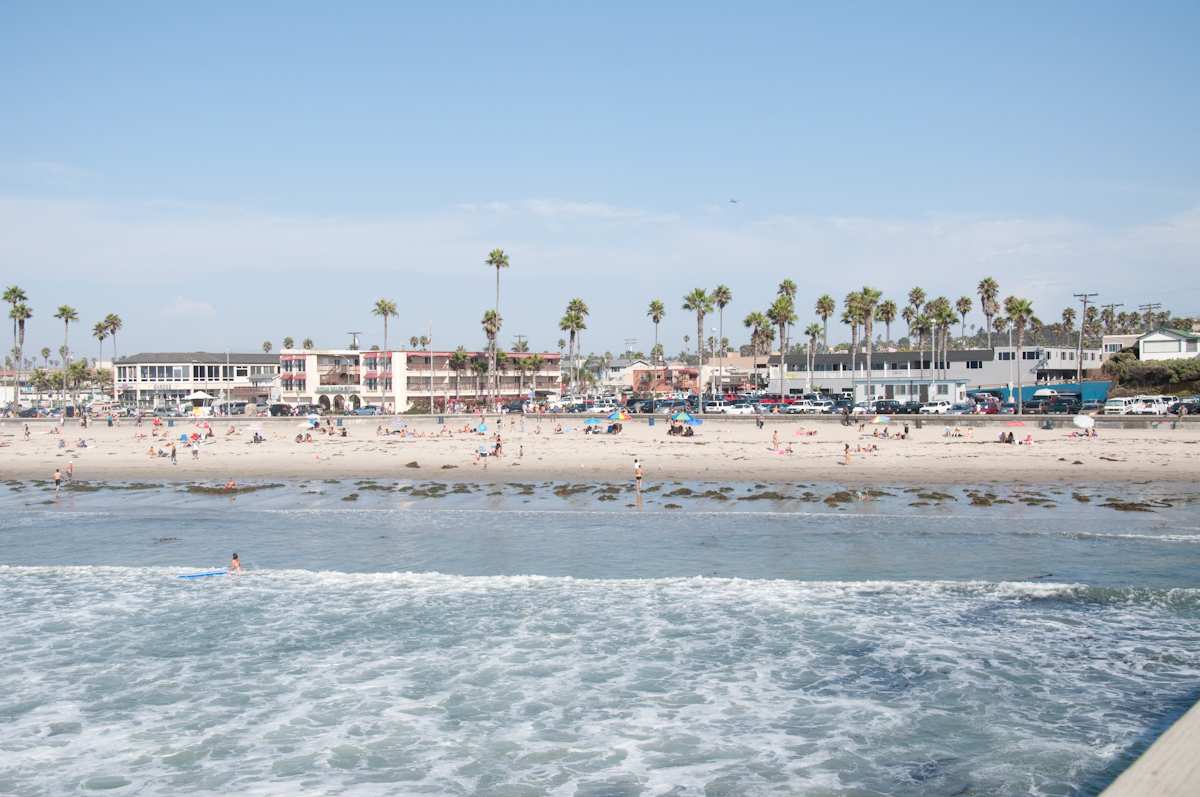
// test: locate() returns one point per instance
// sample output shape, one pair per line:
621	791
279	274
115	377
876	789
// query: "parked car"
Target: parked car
824	406
1147	406
935	408
1063	406
513	406
887	407
910	408
367	409
741	408
965	408
1190	406
1092	406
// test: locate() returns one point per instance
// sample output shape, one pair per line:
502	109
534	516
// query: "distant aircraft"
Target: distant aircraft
733	201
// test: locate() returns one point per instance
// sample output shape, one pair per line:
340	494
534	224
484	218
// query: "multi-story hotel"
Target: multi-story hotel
163	378
394	381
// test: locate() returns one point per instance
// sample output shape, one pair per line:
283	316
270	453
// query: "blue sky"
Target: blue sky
221	175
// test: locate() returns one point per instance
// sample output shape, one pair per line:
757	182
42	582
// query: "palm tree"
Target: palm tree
496	259
909	315
114	324
868	299
963	306
66	313
479	366
1068	319
423	342
385	309
14	295
414	342
459	361
755	322
813	331
700	303
20	313
788	288
887	314
491	323
1019	312
1108	316
533	364
946	317
782	314
923	327
267	346
826	307
576	315
307	343
521	346
45	352
656	312
916	299
721	297
988	291
852	315
100	332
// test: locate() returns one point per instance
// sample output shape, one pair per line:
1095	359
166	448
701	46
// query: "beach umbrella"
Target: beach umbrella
592	422
481	428
881	419
619	415
1084	421
693	421
681	416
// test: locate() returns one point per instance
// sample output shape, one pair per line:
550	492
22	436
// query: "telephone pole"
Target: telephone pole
1085	298
1147	309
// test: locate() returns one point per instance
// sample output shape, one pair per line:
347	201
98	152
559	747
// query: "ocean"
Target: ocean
559	639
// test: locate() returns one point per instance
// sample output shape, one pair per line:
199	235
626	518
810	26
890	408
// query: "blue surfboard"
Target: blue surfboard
206	574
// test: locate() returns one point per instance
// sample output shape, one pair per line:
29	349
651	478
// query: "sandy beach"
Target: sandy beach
723	449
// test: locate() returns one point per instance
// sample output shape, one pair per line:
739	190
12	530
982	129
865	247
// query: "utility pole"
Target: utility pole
1149	308
1085	298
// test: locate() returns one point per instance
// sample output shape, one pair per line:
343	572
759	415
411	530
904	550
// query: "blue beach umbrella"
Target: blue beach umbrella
681	416
592	422
481	428
693	421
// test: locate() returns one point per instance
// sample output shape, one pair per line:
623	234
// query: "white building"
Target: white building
394	381
1168	344
159	379
1111	344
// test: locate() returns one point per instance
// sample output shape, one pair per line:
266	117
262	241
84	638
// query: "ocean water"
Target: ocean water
517	641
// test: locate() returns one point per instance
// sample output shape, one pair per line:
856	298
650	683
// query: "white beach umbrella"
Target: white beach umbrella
1084	421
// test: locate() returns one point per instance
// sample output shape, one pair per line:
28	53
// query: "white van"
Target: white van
1119	406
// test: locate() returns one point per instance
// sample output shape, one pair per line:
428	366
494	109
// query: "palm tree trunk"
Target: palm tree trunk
720	348
867	333
1020	340
116	396
825	334
782	367
700	362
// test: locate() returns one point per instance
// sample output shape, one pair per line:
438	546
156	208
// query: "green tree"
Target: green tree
756	322
788	288
520	346
308	343
385	309
491	323
1019	312
825	307
266	347
656	312
414	342
812	331
988	291
459	361
887	314
868	300
498	260
479	366
289	342
14	295
852	317
1068	319
721	297
67	314
20	313
700	303
114	324
963	306
100	332
782	313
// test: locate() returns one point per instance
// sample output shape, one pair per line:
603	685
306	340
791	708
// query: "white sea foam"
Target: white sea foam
384	683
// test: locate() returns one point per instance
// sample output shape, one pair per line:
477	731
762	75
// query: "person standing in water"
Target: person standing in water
235	565
637	474
57	480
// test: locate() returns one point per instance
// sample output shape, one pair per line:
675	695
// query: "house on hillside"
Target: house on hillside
1168	344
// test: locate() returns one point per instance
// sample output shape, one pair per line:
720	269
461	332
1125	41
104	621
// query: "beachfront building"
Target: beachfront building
912	375
1111	344
665	379
163	379
396	381
1168	344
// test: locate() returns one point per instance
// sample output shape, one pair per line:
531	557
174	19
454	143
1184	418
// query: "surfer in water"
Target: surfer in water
235	565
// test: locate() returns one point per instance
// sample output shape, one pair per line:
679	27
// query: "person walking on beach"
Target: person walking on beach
775	440
173	460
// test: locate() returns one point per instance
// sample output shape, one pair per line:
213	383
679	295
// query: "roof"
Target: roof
199	357
1178	333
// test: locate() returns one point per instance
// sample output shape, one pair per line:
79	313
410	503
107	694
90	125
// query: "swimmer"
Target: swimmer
235	564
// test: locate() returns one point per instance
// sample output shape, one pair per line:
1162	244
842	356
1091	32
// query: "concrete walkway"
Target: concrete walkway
1170	768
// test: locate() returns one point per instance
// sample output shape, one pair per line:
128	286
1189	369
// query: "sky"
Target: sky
227	173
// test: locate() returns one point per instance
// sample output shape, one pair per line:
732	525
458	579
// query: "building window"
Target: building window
1004	355
1191	345
1160	346
974	365
1030	355
943	390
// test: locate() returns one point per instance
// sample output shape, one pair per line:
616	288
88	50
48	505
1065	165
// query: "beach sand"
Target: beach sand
725	449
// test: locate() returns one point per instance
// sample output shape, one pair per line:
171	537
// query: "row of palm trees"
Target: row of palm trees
20	312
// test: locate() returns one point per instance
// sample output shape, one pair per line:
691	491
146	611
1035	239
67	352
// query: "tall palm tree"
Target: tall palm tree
721	297
755	322
868	300
851	316
423	342
923	327
963	306
988	290
289	342
100	332
946	318
307	343
1019	312
66	313
1068	319
788	288
459	361
20	313
520	346
656	312
909	315
114	324
782	313
916	299
496	259
699	303
491	323
813	331
14	295
826	307
1108	316
414	342
578	311
479	366
533	364
385	309
45	352
267	346
887	314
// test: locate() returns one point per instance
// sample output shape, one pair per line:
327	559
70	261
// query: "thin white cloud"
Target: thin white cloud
188	309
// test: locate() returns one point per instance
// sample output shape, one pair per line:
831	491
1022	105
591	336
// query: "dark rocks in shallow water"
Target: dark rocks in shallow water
766	495
1126	506
204	489
981	500
161	540
715	495
672	506
607	497
449	467
351	497
374	486
568	490
413	464
1081	498
678	492
840	497
81	487
919	503
933	495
